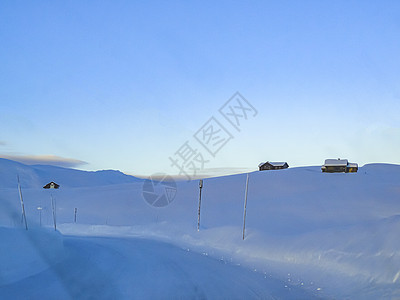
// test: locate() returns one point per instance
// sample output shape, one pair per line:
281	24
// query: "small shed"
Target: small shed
51	185
269	165
352	167
339	166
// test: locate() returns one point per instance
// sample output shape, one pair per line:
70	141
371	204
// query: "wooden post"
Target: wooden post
198	217
53	206
75	211
245	204
22	203
39	208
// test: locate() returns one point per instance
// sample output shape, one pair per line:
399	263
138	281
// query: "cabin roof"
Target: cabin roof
277	163
352	165
274	163
336	162
49	185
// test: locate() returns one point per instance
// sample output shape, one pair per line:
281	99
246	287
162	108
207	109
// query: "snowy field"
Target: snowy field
308	235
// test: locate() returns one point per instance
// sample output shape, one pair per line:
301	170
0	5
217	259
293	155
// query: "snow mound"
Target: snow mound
25	253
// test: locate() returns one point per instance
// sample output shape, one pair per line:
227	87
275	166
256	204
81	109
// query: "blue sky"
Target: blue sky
124	84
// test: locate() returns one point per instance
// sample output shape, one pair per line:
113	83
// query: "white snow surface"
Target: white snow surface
308	235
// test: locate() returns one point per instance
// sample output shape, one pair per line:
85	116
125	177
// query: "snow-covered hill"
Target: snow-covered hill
36	176
329	235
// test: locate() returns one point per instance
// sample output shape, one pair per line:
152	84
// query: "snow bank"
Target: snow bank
24	253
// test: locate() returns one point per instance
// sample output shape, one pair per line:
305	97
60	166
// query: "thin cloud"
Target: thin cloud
52	160
2	143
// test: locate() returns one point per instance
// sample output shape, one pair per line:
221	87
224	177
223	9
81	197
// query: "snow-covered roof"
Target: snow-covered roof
261	164
276	163
352	165
51	185
336	162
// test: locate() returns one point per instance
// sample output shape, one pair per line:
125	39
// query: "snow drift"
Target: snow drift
333	235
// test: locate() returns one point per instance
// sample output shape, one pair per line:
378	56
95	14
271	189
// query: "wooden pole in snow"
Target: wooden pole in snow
39	208
53	207
198	217
245	204
22	203
76	210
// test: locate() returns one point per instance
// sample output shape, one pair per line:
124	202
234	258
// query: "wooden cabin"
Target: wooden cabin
352	168
339	166
269	165
51	185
